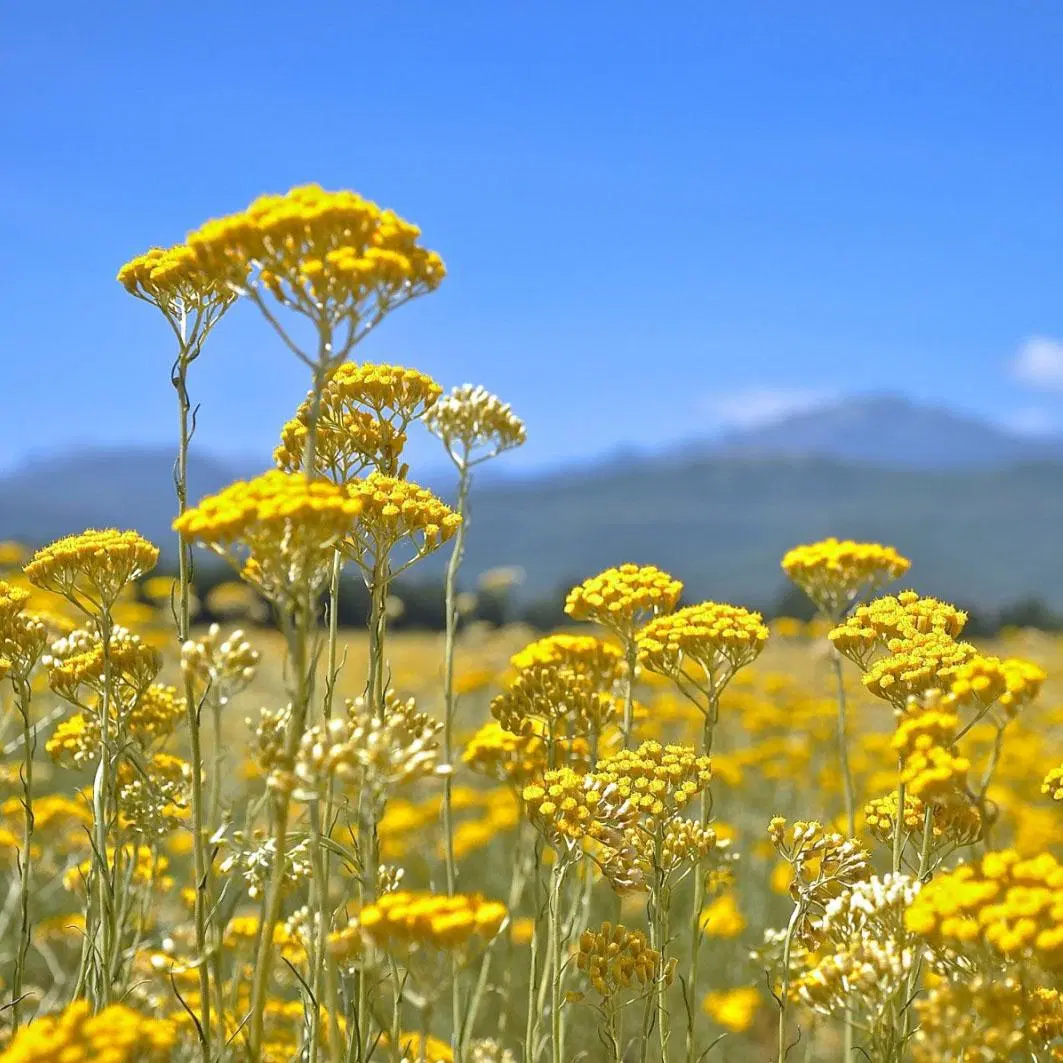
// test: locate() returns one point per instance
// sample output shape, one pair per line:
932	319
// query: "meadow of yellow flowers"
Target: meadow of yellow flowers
666	833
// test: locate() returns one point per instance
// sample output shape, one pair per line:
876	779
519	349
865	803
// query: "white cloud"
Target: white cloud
1039	363
756	407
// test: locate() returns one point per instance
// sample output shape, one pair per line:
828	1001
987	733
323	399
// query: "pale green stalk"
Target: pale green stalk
103	929
29	747
556	958
784	994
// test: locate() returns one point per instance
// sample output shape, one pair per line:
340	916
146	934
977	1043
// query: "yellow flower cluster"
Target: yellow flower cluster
416	1048
23	636
569	808
656	780
987	1018
397	511
363	414
1010	904
835	573
720	639
284	524
916	665
1053	783
407	919
519	759
623	599
79	661
172	279
614	958
474	425
955	822
601	661
116	1034
332	255
733	1009
930	769
983	681
92	569
556	700
869	629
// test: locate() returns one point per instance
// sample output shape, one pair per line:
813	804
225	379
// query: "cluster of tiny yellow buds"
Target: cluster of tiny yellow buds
285	524
173	280
869	629
156	801
656	780
987	1017
569	807
614	958
720	639
1053	784
362	415
930	769
687	842
398	511
915	666
12	601
557	698
1024	680
378	751
474	424
1010	904
116	1034
219	667
23	636
80	662
323	253
835	573
954	822
824	862
979	681
268	738
602	661
407	919
500	754
623	599
92	569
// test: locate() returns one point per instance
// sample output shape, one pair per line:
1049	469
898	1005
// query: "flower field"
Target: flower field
668	832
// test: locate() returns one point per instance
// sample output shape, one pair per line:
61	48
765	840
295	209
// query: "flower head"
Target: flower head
409	919
613	959
93	568
474	425
624	599
835	573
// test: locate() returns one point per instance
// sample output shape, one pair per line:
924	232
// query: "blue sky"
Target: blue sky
659	219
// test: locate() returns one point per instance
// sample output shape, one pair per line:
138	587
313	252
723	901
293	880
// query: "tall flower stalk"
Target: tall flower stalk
474	426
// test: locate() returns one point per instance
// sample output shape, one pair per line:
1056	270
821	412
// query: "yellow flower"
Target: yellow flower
623	599
733	1009
333	256
280	527
834	573
613	958
474	425
723	918
406	919
116	1034
92	569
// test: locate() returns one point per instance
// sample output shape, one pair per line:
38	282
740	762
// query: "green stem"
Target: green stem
784	993
631	656
29	746
556	958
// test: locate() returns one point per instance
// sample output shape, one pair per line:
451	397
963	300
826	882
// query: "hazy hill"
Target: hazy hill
980	511
886	430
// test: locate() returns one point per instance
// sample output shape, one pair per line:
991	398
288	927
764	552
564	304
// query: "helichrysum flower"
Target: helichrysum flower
823	861
733	1009
280	528
716	640
624	599
835	573
614	959
656	780
397	515
92	569
519	759
1053	784
410	919
1010	905
569	808
221	666
333	256
474	425
600	660
556	700
930	768
116	1034
955	822
363	413
23	636
916	665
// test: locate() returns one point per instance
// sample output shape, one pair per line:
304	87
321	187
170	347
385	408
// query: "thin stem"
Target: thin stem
29	746
631	656
556	956
184	572
102	930
532	1013
784	992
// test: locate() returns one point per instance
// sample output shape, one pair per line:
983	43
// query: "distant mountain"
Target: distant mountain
886	430
979	511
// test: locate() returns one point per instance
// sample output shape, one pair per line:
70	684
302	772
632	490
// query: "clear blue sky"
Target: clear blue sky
658	218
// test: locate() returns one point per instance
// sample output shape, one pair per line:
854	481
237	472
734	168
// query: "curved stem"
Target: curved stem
784	993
